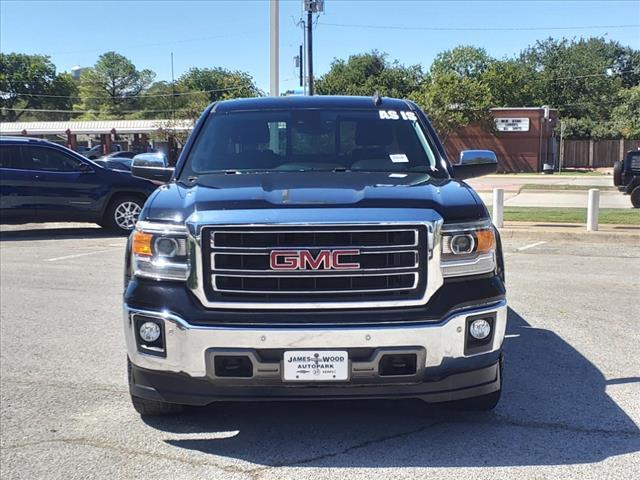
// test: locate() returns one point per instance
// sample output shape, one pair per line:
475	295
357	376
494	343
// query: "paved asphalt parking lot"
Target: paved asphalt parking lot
570	407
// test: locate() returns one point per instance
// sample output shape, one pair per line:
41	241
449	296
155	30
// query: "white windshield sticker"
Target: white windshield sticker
399	158
393	115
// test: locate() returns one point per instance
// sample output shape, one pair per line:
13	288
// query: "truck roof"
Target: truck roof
316	101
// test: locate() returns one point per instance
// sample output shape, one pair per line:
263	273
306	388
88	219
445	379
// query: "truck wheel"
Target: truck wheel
154	408
617	173
483	403
479	404
122	213
635	197
151	408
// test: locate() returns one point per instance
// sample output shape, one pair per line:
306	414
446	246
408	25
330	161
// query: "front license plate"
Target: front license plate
316	365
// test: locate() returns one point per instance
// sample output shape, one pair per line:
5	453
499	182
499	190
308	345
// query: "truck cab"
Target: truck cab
309	248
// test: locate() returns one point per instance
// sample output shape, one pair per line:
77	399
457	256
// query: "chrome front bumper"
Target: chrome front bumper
188	346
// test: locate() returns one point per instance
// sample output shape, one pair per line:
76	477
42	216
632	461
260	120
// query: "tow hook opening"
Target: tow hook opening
236	366
397	364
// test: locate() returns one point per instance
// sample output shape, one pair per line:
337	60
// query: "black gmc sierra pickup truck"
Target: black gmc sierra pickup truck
314	247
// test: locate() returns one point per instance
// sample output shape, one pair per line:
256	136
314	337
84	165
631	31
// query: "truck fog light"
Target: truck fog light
480	329
166	247
462	244
149	332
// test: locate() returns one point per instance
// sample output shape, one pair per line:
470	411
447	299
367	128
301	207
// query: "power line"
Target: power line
478	29
238	87
609	101
87	111
613	74
127	97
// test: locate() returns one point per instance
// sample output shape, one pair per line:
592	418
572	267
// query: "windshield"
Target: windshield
311	140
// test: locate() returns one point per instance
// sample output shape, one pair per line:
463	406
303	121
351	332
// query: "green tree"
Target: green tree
511	83
31	82
112	86
219	83
463	61
626	116
456	94
453	102
581	78
162	100
367	73
628	63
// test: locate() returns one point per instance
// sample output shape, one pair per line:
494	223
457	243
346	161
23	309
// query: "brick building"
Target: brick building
523	139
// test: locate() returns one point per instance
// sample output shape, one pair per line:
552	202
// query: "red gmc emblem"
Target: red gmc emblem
304	260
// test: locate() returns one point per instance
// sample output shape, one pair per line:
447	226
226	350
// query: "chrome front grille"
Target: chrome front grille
391	263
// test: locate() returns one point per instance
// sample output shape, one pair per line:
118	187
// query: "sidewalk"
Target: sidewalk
513	183
607	233
557	198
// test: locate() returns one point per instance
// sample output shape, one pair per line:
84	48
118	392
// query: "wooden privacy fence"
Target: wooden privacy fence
594	153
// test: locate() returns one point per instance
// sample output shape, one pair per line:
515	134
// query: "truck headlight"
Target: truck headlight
160	252
468	249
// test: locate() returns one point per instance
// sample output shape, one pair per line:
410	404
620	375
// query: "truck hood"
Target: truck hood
452	199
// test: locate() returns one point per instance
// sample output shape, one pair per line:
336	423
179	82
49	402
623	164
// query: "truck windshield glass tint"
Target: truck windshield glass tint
311	140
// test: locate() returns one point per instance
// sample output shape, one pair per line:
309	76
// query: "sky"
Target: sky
235	35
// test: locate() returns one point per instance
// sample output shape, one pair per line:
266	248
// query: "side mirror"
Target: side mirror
84	168
152	166
475	163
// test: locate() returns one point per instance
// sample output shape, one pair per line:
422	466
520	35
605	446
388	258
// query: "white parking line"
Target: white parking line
67	257
527	247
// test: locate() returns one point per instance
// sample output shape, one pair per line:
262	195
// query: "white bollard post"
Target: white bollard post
592	209
498	207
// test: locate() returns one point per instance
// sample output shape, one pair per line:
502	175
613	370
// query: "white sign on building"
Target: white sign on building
512	124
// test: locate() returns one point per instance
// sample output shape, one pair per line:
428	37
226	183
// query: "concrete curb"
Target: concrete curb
581	190
623	234
540	175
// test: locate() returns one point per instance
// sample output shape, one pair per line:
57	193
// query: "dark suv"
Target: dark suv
626	176
41	182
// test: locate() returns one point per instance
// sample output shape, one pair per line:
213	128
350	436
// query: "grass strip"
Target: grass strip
542	186
619	216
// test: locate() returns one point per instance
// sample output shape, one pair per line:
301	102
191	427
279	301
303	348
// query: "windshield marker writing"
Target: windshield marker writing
393	115
388	115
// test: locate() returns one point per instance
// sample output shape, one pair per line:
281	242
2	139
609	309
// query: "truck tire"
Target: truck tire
617	173
154	408
483	403
635	197
479	404
151	408
122	213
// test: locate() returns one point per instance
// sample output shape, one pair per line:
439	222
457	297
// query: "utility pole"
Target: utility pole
274	10
301	67
310	49
311	7
173	91
172	139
